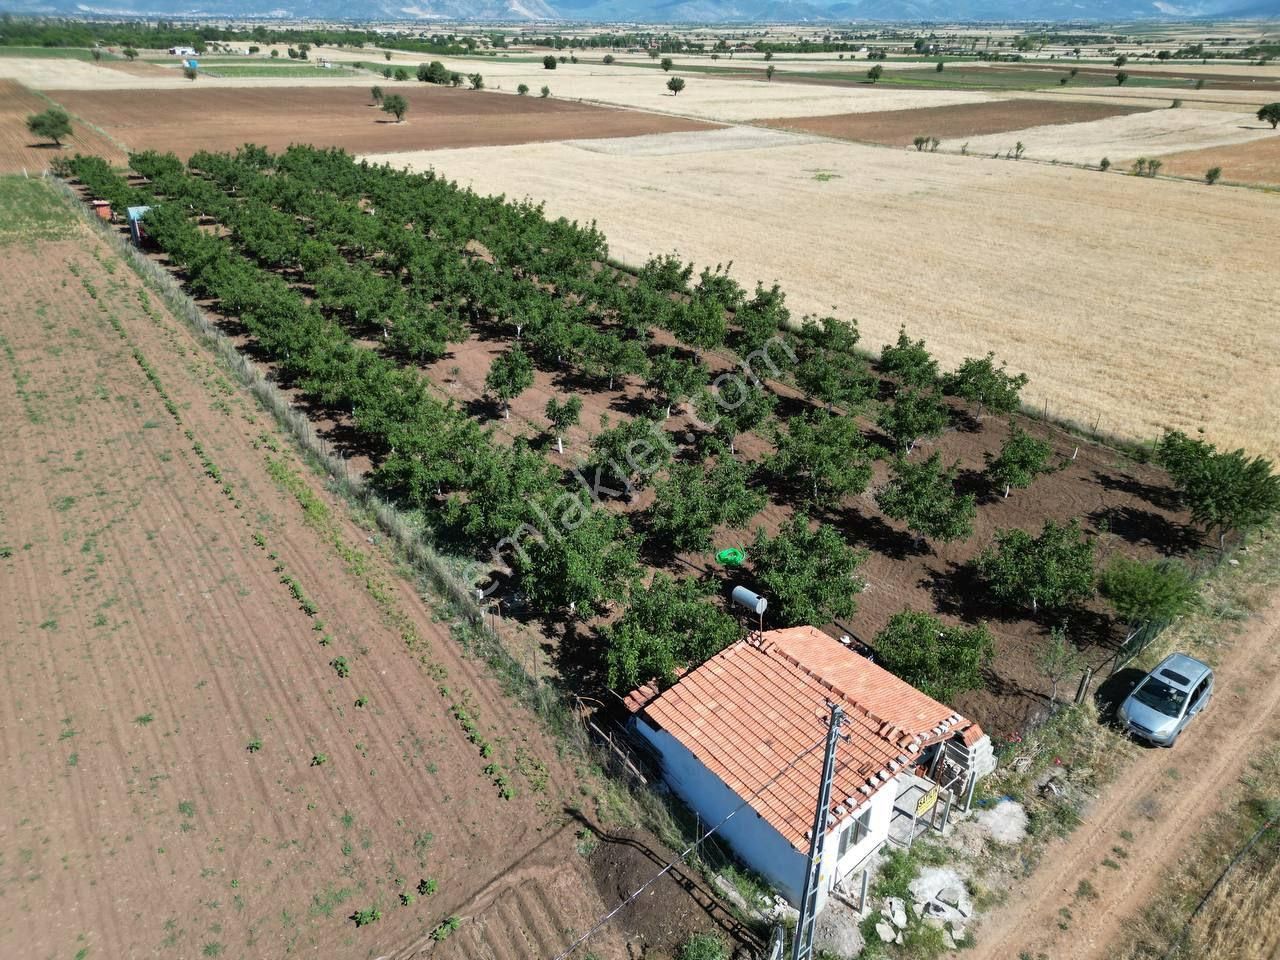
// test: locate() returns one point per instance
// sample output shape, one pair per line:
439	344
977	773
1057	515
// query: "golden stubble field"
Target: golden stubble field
1132	304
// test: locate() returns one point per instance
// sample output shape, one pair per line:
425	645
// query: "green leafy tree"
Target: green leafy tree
691	501
825	453
1053	570
1270	114
1058	660
632	452
809	576
1022	458
875	73
940	660
667	63
730	412
760	318
1225	491
376	94
545	92
675	379
668	626
395	104
522	89
53	124
1143	592
701	323
675	85
913	416
510	374
923	496
477	81
548	62
980	381
768	71
1212	175
578	567
1121	78
130	54
400	74
562	416
909	361
607	59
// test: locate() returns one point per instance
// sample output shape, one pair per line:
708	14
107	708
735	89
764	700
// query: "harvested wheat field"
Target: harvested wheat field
232	725
1127	136
21	150
1253	97
1056	270
897	128
275	118
1257	161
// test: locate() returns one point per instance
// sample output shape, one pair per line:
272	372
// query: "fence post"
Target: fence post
1083	690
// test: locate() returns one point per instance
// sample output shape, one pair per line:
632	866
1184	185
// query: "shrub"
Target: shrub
704	946
1105	164
340	666
544	92
400	73
477	81
1141	592
608	59
362	918
522	89
447	927
1212	174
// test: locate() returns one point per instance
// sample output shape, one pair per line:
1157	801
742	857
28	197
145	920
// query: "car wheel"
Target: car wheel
1173	740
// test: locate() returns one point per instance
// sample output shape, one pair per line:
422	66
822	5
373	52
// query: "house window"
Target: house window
855	833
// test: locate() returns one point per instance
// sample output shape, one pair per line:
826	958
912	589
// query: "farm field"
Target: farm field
1021	258
345	117
1118	502
897	128
1124	137
1257	161
191	773
19	149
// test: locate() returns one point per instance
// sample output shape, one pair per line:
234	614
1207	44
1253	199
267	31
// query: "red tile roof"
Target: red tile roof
754	707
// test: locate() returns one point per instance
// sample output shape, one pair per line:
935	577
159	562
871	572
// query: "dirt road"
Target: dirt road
1159	802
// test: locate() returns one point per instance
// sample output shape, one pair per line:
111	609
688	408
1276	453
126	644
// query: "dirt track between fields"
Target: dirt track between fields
346	117
1163	799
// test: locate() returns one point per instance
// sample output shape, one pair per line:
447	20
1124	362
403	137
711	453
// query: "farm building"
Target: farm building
182	51
728	728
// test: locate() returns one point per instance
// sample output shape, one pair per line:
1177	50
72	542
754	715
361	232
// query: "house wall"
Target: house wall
753	839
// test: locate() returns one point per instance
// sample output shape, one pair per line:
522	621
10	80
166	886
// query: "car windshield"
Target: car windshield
1158	695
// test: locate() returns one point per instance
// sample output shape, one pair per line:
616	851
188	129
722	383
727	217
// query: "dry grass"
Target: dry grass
1240	920
1133	303
1125	137
1245	98
1257	161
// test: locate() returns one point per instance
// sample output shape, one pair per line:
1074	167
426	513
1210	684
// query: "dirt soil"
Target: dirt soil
897	128
19	150
345	117
1163	798
1255	162
189	773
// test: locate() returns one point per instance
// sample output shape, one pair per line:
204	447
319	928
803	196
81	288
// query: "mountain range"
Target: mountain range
665	11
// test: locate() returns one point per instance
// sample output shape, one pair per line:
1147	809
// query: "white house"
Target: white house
730	726
182	51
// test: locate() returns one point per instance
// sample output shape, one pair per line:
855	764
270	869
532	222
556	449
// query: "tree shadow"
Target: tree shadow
1145	528
958	591
1112	691
872	532
1160	497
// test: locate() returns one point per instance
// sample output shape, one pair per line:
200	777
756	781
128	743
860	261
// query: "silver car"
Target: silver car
1161	706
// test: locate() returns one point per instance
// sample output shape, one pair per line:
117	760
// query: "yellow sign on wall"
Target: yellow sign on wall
927	802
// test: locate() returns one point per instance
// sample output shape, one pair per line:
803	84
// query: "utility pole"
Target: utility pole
802	946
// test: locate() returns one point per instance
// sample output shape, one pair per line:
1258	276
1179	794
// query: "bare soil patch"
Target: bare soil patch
897	128
346	117
1255	162
150	642
20	150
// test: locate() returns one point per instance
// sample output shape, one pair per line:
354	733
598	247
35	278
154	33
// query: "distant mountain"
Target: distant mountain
665	11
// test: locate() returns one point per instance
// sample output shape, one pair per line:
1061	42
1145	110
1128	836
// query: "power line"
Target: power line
680	859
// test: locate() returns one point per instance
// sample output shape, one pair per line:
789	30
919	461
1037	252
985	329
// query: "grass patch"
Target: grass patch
30	211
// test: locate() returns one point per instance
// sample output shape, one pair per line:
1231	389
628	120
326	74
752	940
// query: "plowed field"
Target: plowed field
345	117
1255	162
188	772
20	150
897	128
